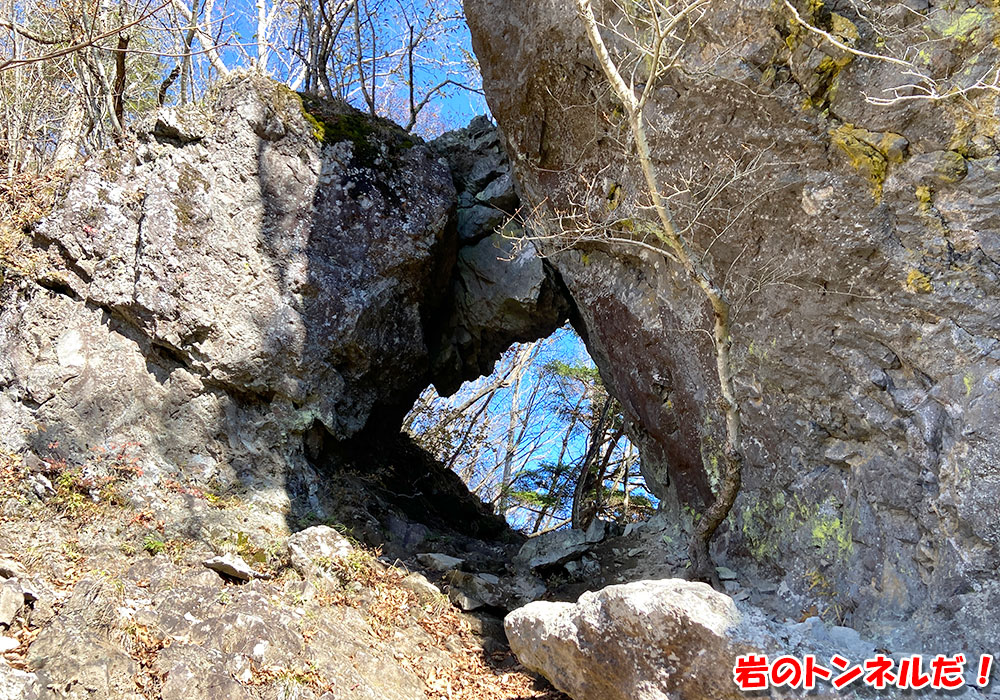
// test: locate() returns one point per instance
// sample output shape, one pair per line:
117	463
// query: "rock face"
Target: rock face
196	637
504	291
860	254
259	279
17	685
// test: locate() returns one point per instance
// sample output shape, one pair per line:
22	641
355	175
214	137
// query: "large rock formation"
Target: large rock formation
257	280
224	327
860	253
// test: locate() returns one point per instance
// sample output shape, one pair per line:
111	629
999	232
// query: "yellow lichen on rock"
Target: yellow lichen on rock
918	283
870	153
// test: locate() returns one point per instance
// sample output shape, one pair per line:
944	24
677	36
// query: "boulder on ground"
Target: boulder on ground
313	550
669	639
559	547
230	565
648	640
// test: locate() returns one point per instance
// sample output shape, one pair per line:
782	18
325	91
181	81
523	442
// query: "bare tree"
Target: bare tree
69	76
652	41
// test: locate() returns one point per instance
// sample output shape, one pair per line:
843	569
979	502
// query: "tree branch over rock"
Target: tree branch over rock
664	19
919	84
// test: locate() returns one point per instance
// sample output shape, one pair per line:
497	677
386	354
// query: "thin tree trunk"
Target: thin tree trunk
72	135
369	98
596	439
702	567
119	85
603	469
204	38
556	471
513	438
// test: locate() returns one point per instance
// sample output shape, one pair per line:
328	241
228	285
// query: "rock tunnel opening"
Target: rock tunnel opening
540	440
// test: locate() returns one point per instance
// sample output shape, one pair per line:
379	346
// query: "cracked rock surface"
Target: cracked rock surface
860	254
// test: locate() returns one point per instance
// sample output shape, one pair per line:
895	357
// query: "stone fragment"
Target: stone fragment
41	486
439	562
552	548
472	591
12	569
633	527
312	551
726	574
11	602
407	535
597	530
230	565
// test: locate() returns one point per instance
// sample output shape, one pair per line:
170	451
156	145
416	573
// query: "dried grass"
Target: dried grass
24	199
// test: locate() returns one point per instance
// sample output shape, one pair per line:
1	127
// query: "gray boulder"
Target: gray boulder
559	547
641	641
667	640
313	551
473	591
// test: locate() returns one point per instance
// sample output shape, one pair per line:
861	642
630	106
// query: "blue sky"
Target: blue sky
444	55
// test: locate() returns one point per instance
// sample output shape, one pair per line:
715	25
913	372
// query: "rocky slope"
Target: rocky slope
859	246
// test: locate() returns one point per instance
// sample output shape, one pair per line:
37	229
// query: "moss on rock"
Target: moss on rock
374	140
918	283
870	153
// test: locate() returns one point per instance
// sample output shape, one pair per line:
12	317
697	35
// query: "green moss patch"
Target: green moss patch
870	153
823	60
374	140
965	26
771	527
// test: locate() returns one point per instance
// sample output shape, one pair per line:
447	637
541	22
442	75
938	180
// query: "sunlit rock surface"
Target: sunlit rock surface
860	254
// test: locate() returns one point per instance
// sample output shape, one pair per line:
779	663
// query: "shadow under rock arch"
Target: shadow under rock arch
336	225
